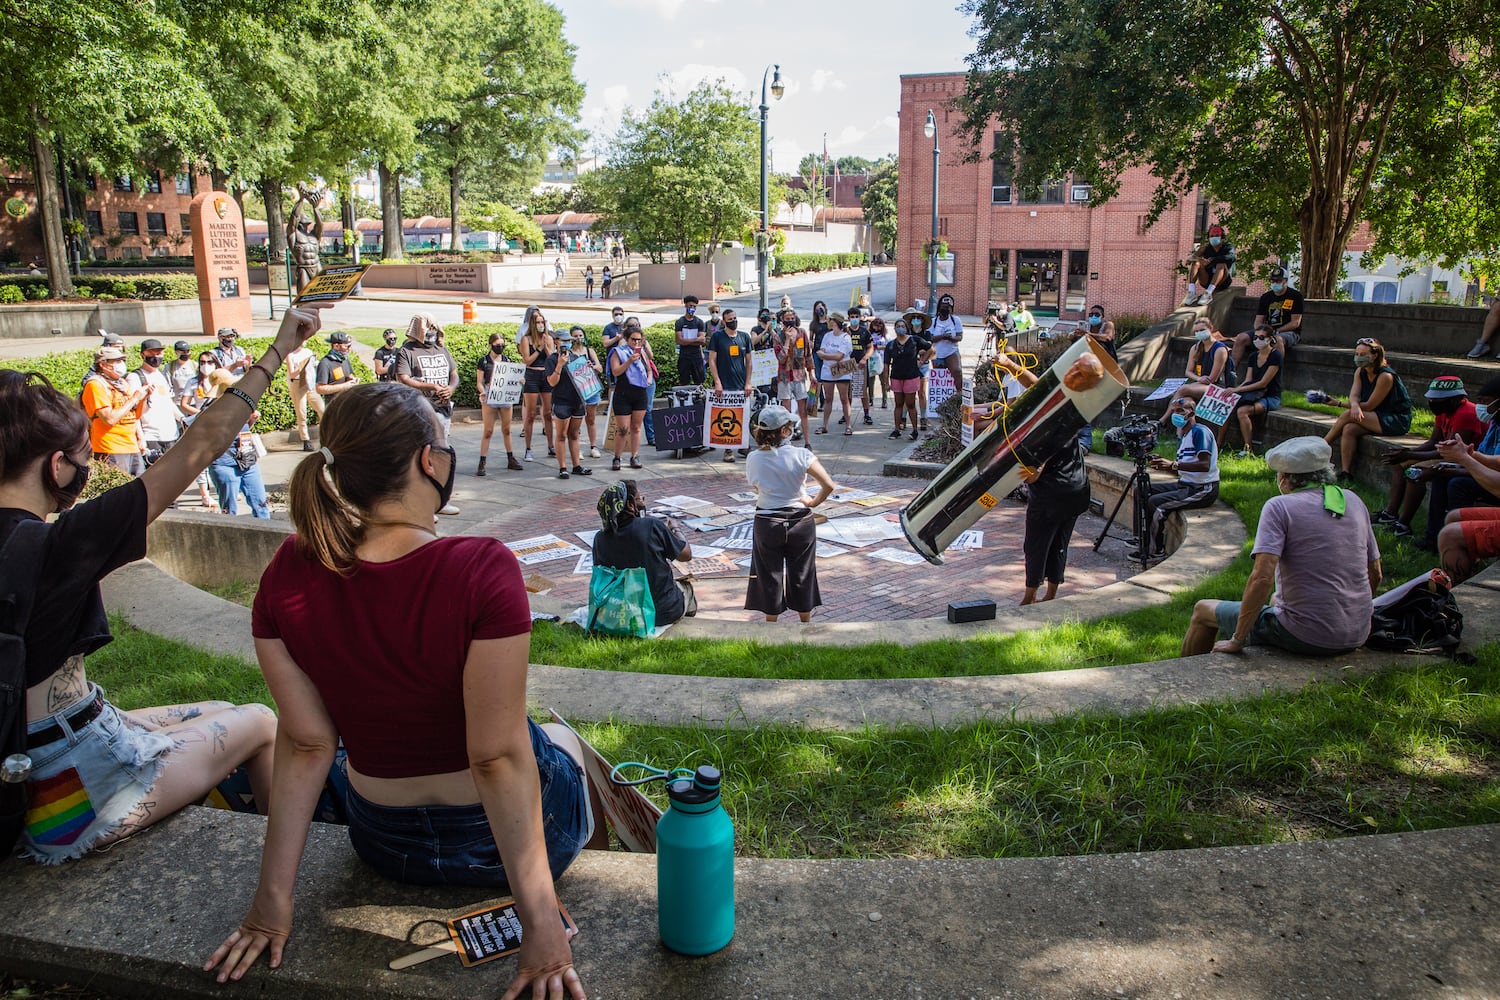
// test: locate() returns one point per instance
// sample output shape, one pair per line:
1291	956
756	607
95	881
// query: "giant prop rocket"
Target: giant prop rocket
1069	395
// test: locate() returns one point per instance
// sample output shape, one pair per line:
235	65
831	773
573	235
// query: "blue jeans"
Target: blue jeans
454	845
230	482
646	427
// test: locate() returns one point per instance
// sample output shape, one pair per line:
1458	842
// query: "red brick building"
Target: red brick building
126	217
1046	245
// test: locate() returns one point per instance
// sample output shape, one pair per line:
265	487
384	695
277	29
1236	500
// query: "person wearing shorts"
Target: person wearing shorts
904	355
632	398
1471	533
568	410
536	346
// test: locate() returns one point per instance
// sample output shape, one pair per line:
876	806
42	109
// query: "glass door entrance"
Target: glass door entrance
1039	280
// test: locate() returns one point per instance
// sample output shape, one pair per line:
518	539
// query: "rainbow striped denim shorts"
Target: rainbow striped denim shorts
86	782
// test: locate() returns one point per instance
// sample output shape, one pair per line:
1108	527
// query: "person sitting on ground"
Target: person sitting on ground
1197	485
1486	342
1314	545
1209	363
1413	468
98	774
1280	309
433	718
1378	404
629	538
1211	267
783	565
1472	527
1057	496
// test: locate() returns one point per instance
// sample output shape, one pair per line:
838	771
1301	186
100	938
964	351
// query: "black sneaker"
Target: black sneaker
1400	530
307	446
562	473
895	434
1384	517
914	435
579	470
841	420
869	421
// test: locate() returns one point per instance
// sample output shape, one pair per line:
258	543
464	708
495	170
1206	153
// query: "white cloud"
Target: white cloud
823	78
679	81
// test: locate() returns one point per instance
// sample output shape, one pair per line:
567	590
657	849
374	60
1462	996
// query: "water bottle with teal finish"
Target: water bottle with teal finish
695	867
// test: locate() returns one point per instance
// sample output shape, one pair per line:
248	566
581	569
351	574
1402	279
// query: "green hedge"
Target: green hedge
796	263
65	370
126	286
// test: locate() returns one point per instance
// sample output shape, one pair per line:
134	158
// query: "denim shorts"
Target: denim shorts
1267	631
84	784
454	845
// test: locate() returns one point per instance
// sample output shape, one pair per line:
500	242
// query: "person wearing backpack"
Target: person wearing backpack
96	773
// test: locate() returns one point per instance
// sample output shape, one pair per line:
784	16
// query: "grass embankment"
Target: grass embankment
1408	750
1421	417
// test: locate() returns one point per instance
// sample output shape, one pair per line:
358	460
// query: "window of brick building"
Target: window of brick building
129	222
999	275
1045	193
156	223
153	182
91	182
1000	175
184	184
95	223
130	253
185	223
126	183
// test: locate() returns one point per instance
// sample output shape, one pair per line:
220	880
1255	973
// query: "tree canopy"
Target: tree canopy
879	201
1302	117
682	174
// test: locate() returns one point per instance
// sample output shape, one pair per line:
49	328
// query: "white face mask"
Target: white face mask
1202	334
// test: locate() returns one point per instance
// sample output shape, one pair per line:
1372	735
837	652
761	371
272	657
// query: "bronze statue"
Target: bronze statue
304	244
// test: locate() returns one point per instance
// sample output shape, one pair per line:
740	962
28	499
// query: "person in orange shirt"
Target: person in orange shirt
114	408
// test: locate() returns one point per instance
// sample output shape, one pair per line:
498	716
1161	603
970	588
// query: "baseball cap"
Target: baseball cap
1299	455
108	354
1216	230
339	337
1278	274
227	331
773	417
151	344
181	346
111	339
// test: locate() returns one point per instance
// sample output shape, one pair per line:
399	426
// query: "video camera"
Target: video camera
1136	437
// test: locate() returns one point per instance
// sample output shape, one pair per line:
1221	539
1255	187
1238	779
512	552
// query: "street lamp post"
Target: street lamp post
930	130
763	238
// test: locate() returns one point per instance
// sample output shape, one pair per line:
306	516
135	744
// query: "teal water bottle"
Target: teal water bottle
695	867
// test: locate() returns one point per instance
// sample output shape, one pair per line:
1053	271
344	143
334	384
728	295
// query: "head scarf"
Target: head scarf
612	505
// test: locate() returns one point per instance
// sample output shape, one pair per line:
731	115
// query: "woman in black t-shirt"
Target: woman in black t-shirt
904	355
567	415
629	539
97	774
484	371
1260	392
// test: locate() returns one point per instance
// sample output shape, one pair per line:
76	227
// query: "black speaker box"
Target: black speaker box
971	611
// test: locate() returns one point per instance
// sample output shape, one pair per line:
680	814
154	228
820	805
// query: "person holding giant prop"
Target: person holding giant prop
1070	394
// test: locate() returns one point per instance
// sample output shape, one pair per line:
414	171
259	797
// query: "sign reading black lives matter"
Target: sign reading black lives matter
333	284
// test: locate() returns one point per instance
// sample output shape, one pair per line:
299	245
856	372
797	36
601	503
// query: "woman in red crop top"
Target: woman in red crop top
447	774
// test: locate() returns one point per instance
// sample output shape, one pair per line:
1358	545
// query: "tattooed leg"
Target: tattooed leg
170	715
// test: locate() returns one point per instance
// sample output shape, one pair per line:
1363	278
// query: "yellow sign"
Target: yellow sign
333	284
987	502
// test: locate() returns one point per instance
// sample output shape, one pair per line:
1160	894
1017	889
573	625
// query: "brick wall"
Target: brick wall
1136	268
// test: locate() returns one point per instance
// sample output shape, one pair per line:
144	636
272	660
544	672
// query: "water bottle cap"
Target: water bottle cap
700	790
707	777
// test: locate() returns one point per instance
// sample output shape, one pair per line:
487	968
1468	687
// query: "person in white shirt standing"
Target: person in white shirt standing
300	367
783	564
159	426
947	331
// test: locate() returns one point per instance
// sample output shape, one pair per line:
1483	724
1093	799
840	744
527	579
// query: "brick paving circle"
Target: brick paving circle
855	587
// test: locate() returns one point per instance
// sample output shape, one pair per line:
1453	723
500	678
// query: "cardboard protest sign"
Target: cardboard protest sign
1216	405
493	932
506	384
1168	388
762	366
724	423
678	427
940	389
585	379
333	284
632	816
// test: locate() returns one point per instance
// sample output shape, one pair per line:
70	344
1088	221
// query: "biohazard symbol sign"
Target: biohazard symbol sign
724	420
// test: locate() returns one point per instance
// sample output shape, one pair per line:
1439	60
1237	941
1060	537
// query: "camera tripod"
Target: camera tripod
1138	488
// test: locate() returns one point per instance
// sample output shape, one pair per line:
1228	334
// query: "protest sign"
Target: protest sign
762	366
724	424
506	384
966	411
333	284
585	379
1216	405
940	389
678	428
1168	387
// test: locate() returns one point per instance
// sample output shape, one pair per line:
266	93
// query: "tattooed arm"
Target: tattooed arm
306	740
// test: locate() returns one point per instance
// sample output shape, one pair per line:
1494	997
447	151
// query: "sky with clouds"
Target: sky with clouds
841	62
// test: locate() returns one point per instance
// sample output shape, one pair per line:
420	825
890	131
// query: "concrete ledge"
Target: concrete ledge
1402	915
129	317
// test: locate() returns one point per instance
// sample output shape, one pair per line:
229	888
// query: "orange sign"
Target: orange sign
219	260
724	423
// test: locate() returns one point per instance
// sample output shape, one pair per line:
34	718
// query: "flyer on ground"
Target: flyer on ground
333	284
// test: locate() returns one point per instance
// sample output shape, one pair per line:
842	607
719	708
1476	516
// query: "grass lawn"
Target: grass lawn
1421	417
1410	749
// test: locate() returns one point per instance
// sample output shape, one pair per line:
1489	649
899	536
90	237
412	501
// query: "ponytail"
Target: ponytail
368	436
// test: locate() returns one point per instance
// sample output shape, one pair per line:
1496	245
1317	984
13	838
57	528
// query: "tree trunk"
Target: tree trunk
455	182
49	205
391	225
270	193
238	194
346	213
218	179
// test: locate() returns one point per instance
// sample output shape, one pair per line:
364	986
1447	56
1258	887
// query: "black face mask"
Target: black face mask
497	349
151	360
445	489
65	496
431	339
732	324
185	357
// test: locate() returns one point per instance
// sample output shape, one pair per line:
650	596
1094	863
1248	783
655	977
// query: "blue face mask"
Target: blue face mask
1214	241
1278	287
1095	320
1482	411
1179	421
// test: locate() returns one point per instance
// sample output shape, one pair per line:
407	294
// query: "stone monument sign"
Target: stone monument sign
219	260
